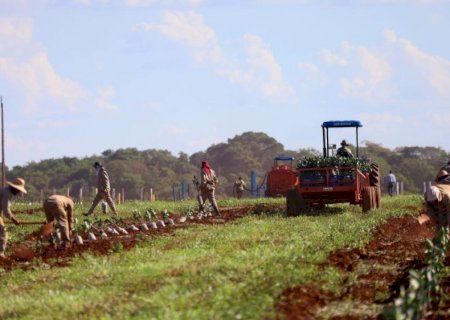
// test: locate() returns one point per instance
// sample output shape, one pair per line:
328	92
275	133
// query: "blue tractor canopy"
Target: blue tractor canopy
278	159
283	158
339	124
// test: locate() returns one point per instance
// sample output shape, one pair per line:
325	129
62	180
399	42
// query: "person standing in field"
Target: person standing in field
344	150
103	190
207	187
437	200
59	208
14	188
391	181
239	186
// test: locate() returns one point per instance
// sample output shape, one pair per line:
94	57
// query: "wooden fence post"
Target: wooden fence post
113	194
123	195
80	195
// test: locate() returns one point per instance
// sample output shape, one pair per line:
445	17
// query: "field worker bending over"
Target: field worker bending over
437	199
103	190
208	183
239	186
13	188
344	150
59	208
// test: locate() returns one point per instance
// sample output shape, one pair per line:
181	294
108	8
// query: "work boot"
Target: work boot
3	256
87	214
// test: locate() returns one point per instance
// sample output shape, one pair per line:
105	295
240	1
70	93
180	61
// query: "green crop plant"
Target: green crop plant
165	215
327	162
424	284
136	214
150	214
189	214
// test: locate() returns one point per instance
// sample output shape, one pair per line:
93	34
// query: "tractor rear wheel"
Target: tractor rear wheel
292	203
369	201
375	181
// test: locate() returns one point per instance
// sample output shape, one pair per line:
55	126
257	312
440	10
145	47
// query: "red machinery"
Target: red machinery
281	177
318	186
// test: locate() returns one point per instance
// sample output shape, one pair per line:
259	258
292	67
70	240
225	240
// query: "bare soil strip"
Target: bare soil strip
396	247
25	256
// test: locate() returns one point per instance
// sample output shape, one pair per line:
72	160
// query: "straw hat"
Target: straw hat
18	184
442	173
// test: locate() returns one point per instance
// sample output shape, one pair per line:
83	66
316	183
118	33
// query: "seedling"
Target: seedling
136	215
150	214
165	215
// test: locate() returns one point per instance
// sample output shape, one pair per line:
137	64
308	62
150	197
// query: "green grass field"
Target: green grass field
230	271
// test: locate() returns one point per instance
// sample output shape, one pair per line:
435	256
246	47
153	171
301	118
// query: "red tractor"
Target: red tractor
334	179
281	178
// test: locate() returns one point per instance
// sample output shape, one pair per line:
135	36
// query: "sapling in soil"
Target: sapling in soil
136	214
103	235
166	217
150	214
122	230
152	225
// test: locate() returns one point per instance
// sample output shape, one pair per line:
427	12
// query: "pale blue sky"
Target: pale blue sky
81	76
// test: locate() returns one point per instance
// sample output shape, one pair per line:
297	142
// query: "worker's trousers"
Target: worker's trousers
103	195
206	194
3	236
56	211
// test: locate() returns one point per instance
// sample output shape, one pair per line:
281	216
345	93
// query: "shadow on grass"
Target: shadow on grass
326	211
270	210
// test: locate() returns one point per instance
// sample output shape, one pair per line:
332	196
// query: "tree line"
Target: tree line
161	170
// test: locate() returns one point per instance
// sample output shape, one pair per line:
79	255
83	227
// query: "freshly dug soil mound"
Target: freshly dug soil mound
397	243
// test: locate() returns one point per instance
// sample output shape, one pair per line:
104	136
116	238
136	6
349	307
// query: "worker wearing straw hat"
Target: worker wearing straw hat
6	193
59	208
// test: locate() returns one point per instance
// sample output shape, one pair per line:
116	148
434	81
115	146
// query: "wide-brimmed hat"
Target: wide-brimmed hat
344	143
97	164
441	174
18	184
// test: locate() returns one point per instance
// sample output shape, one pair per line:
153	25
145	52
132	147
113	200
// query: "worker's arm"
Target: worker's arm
6	209
69	218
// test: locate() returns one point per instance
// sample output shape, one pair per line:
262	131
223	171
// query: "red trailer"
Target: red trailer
281	178
357	182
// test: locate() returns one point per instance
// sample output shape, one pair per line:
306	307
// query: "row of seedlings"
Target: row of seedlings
423	286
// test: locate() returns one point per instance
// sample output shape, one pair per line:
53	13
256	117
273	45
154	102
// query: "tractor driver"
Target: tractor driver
344	150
